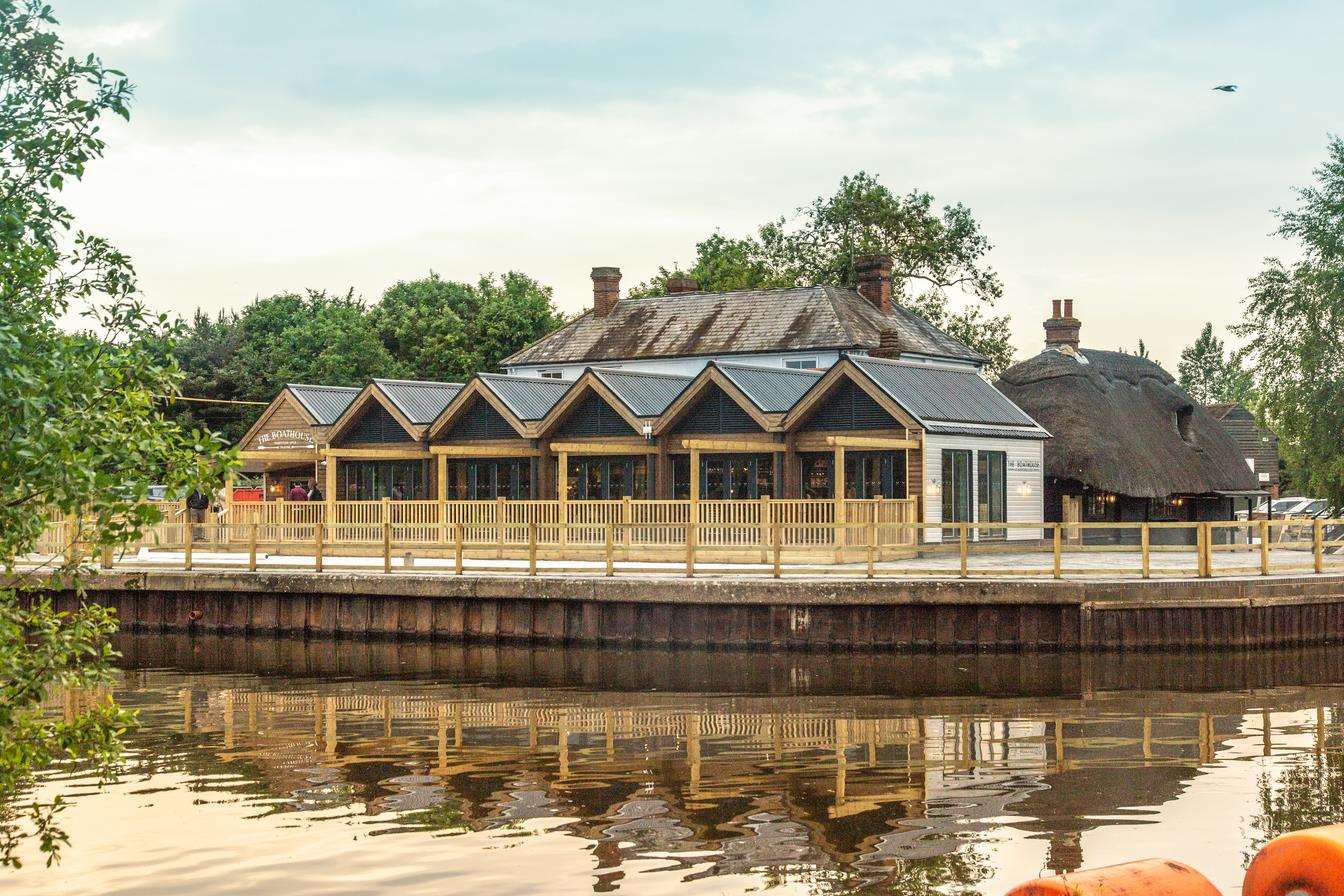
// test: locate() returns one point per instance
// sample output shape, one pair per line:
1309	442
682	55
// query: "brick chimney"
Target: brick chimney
874	272
888	345
680	283
1062	327
606	290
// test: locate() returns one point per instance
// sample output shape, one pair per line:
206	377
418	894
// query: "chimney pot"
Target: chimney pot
606	290
874	275
1062	329
680	283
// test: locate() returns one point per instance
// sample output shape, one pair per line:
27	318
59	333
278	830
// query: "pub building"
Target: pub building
377	450
1129	444
285	444
814	392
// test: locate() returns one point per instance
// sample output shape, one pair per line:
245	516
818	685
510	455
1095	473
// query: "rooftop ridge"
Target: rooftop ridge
400	382
621	372
321	386
739	365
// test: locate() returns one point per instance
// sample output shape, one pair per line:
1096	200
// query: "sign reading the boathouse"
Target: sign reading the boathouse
1025	464
285	438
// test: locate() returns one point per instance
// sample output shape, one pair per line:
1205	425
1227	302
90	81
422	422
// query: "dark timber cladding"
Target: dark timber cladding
849	407
824	614
594	417
715	412
376	426
480	421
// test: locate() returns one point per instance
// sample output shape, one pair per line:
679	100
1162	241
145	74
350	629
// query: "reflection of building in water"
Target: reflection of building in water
852	785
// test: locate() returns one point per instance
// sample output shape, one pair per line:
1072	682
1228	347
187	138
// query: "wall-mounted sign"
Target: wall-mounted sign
1025	464
285	438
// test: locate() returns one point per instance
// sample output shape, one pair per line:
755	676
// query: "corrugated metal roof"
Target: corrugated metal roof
421	401
645	394
325	403
937	394
772	389
528	397
749	321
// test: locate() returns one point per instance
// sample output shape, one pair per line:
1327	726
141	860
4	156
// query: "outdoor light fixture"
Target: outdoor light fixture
935	488
1024	489
648	431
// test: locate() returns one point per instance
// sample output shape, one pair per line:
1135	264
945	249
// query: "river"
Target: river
283	766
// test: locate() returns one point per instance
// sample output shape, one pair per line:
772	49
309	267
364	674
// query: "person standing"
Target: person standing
197	503
315	493
298	492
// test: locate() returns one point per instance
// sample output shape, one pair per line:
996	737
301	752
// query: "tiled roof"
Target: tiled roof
645	394
772	389
749	321
939	396
528	397
421	401
325	403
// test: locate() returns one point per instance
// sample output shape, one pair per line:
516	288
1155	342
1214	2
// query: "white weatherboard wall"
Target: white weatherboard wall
1026	497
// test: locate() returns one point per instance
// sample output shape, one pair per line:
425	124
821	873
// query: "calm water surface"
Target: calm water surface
271	766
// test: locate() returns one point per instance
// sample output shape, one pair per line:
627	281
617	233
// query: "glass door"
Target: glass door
956	489
992	503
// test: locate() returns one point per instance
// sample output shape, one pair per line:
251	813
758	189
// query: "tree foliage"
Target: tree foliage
1210	373
1293	324
429	328
939	254
80	430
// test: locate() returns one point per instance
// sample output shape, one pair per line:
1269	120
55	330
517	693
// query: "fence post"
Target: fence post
279	523
690	550
610	548
443	522
878	519
872	542
252	546
499	523
387	546
186	549
777	536
532	548
71	541
106	559
1264	547
319	530
1317	544
459	536
1059	551
965	549
1145	539
765	526
627	517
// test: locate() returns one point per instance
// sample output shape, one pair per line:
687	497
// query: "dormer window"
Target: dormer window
1183	416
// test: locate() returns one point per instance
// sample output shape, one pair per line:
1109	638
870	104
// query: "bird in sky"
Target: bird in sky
1227	88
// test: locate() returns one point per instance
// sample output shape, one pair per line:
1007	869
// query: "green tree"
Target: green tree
80	433
939	254
1210	373
1293	324
448	330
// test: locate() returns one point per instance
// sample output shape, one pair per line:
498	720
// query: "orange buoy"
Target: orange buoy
1150	877
1310	863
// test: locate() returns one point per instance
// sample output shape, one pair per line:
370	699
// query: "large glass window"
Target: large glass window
726	477
868	474
373	480
484	479
818	470
608	478
956	488
992	490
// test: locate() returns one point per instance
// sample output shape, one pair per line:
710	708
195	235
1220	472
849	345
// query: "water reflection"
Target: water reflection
897	774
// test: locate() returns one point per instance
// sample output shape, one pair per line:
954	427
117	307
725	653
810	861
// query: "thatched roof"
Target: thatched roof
1114	418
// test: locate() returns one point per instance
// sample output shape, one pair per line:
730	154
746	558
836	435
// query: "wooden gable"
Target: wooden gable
478	421
374	425
593	416
849	407
284	425
716	412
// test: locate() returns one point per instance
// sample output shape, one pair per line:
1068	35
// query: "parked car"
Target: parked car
1288	508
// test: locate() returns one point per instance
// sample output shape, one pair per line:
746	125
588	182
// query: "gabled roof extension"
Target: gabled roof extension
645	394
772	389
949	399
324	403
419	400
529	398
745	322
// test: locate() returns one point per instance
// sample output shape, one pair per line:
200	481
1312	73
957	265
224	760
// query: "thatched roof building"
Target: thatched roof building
1123	428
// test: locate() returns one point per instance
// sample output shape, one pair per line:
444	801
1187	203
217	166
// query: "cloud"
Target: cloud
112	35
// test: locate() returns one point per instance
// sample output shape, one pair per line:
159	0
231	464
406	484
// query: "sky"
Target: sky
328	144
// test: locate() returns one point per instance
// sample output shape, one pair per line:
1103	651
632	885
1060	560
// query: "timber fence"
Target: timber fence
870	538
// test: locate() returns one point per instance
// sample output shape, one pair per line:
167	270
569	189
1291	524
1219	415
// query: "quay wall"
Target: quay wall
806	614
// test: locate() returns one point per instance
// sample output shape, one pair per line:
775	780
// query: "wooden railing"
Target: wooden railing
876	538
